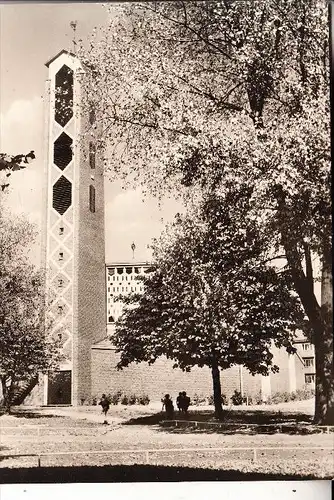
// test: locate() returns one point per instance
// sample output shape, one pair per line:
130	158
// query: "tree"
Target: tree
26	347
210	94
11	163
213	299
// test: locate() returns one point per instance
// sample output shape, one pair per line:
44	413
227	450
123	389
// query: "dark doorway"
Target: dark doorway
59	388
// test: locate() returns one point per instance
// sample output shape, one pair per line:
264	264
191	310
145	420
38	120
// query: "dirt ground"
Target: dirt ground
76	432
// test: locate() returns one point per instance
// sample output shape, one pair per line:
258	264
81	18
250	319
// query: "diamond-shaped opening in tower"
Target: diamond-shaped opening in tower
62	151
62	195
64	95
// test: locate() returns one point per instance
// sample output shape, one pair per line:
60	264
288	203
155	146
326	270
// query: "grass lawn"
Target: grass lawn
39	432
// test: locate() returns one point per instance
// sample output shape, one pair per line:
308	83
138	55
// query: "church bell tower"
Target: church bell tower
73	231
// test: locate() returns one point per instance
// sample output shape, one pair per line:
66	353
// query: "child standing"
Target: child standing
167	404
105	406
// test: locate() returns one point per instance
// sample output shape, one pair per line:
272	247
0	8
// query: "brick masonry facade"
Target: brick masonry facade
160	378
73	245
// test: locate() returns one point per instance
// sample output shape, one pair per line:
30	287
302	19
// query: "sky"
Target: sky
30	35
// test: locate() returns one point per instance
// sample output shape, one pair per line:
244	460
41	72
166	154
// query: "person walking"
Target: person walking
167	404
105	407
185	402
179	402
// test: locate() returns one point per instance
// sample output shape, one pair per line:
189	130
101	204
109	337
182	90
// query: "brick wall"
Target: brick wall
155	380
91	316
160	378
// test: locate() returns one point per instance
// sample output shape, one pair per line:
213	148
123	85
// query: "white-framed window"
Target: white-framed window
308	362
309	378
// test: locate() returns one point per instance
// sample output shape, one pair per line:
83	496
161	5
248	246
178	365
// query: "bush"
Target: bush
132	399
198	400
303	394
237	398
143	400
285	397
224	400
124	400
114	398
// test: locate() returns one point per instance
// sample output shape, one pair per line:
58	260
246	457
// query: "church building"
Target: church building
83	290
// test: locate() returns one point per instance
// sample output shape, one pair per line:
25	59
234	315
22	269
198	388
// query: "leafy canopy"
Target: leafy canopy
26	347
213	294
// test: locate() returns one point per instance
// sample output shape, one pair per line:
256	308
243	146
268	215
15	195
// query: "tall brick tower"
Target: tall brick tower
73	231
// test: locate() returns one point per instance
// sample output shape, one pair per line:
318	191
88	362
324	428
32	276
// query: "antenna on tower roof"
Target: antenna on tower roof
73	25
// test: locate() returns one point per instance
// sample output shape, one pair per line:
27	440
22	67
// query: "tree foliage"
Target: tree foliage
26	347
11	163
213	300
214	94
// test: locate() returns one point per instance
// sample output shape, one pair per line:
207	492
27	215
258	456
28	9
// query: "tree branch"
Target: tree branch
192	30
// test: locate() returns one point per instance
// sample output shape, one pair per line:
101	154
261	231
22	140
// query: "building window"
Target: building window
61	231
309	378
92	155
61	256
113	288
60	309
92	199
60	283
306	347
308	362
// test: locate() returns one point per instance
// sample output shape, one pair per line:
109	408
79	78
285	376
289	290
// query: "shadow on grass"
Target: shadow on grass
292	430
20	413
133	473
257	417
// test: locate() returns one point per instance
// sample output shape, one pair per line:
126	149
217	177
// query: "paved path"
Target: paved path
96	417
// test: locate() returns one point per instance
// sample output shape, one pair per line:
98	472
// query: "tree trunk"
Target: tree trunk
217	392
6	393
324	399
320	319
